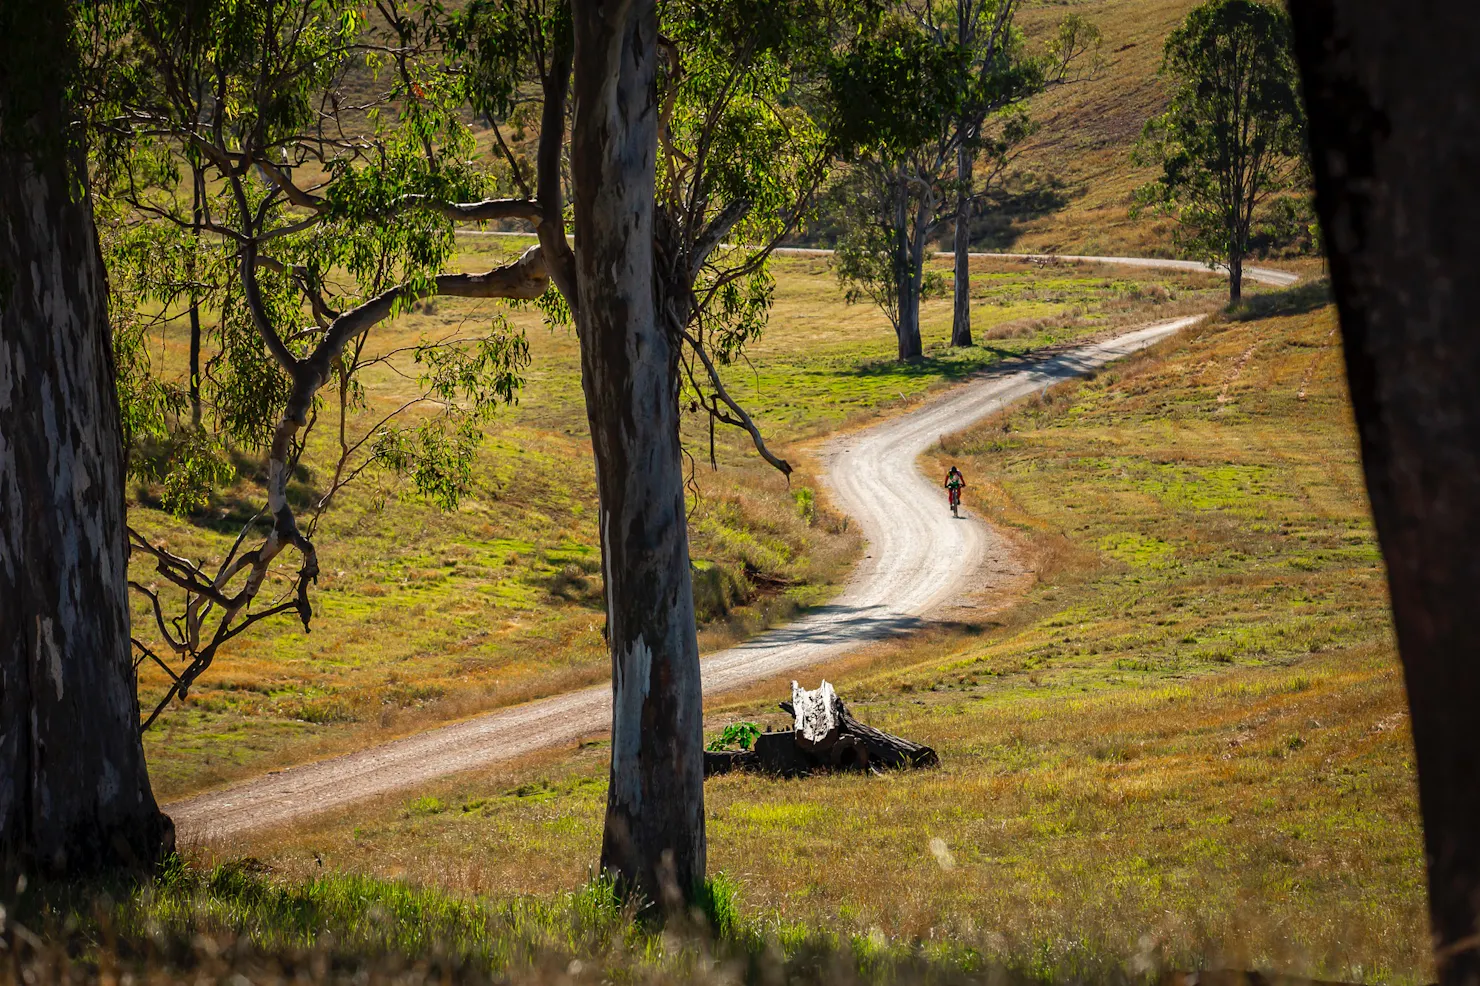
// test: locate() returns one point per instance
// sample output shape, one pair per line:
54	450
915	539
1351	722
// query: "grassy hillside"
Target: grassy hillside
1073	194
424	616
1187	746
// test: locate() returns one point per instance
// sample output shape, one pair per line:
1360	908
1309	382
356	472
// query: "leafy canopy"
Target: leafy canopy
1233	133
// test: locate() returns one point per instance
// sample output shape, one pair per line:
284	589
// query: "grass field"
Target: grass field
1185	747
424	616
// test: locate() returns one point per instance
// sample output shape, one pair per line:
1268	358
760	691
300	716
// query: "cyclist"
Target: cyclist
954	483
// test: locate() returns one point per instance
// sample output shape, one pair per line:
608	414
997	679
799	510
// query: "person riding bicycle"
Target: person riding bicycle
954	479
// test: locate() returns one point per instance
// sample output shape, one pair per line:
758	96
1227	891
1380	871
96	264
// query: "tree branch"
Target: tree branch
745	420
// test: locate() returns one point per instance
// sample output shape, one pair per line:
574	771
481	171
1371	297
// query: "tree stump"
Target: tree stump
824	737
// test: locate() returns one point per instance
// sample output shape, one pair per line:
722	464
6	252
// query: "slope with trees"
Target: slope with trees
912	165
1232	138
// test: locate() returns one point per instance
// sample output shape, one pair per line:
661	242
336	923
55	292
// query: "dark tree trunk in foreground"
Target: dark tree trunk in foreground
74	792
654	837
1395	137
961	316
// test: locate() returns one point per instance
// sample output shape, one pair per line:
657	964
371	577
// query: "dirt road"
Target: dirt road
1263	275
919	559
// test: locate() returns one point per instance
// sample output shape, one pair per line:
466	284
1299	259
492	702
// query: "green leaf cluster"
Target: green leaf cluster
738	734
1233	135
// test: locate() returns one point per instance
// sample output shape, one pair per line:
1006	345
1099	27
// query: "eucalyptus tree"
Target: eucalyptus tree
1394	134
1073	49
932	92
687	134
1232	136
74	791
332	223
325	220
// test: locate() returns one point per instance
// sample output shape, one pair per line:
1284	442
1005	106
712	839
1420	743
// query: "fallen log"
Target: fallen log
824	737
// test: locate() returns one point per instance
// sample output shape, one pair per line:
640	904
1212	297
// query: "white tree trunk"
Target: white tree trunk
654	836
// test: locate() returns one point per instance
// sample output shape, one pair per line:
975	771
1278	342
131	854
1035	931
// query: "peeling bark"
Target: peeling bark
74	791
1395	141
654	836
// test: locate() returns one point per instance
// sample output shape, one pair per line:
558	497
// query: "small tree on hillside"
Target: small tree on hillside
926	97
1074	48
1232	136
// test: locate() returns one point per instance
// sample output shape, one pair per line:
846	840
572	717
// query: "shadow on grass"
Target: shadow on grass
958	364
1019	202
230	509
1304	297
236	922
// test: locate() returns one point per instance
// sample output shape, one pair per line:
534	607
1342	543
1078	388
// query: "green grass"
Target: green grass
423	616
231	924
1185	747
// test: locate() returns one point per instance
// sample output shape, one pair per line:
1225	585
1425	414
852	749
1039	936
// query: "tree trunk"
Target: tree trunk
198	217
654	837
961	316
1395	139
74	791
1235	276
908	329
907	271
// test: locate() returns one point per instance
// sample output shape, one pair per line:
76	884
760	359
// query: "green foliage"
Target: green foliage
198	464
485	375
266	82
897	88
147	403
741	734
1233	133
806	502
925	85
719	902
1075	43
435	456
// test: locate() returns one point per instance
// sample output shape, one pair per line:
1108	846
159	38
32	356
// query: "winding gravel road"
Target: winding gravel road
919	559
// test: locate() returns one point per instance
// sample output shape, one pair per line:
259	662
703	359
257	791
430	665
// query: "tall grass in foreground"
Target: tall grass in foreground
231	924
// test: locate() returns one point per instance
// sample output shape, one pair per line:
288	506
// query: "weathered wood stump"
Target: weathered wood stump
825	737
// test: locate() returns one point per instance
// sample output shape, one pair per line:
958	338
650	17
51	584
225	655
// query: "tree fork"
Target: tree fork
525	278
654	835
1395	137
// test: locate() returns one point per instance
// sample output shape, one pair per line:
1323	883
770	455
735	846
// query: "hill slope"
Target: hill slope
1075	193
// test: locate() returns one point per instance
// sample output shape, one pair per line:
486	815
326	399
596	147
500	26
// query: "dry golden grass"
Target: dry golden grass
1074	178
1076	197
